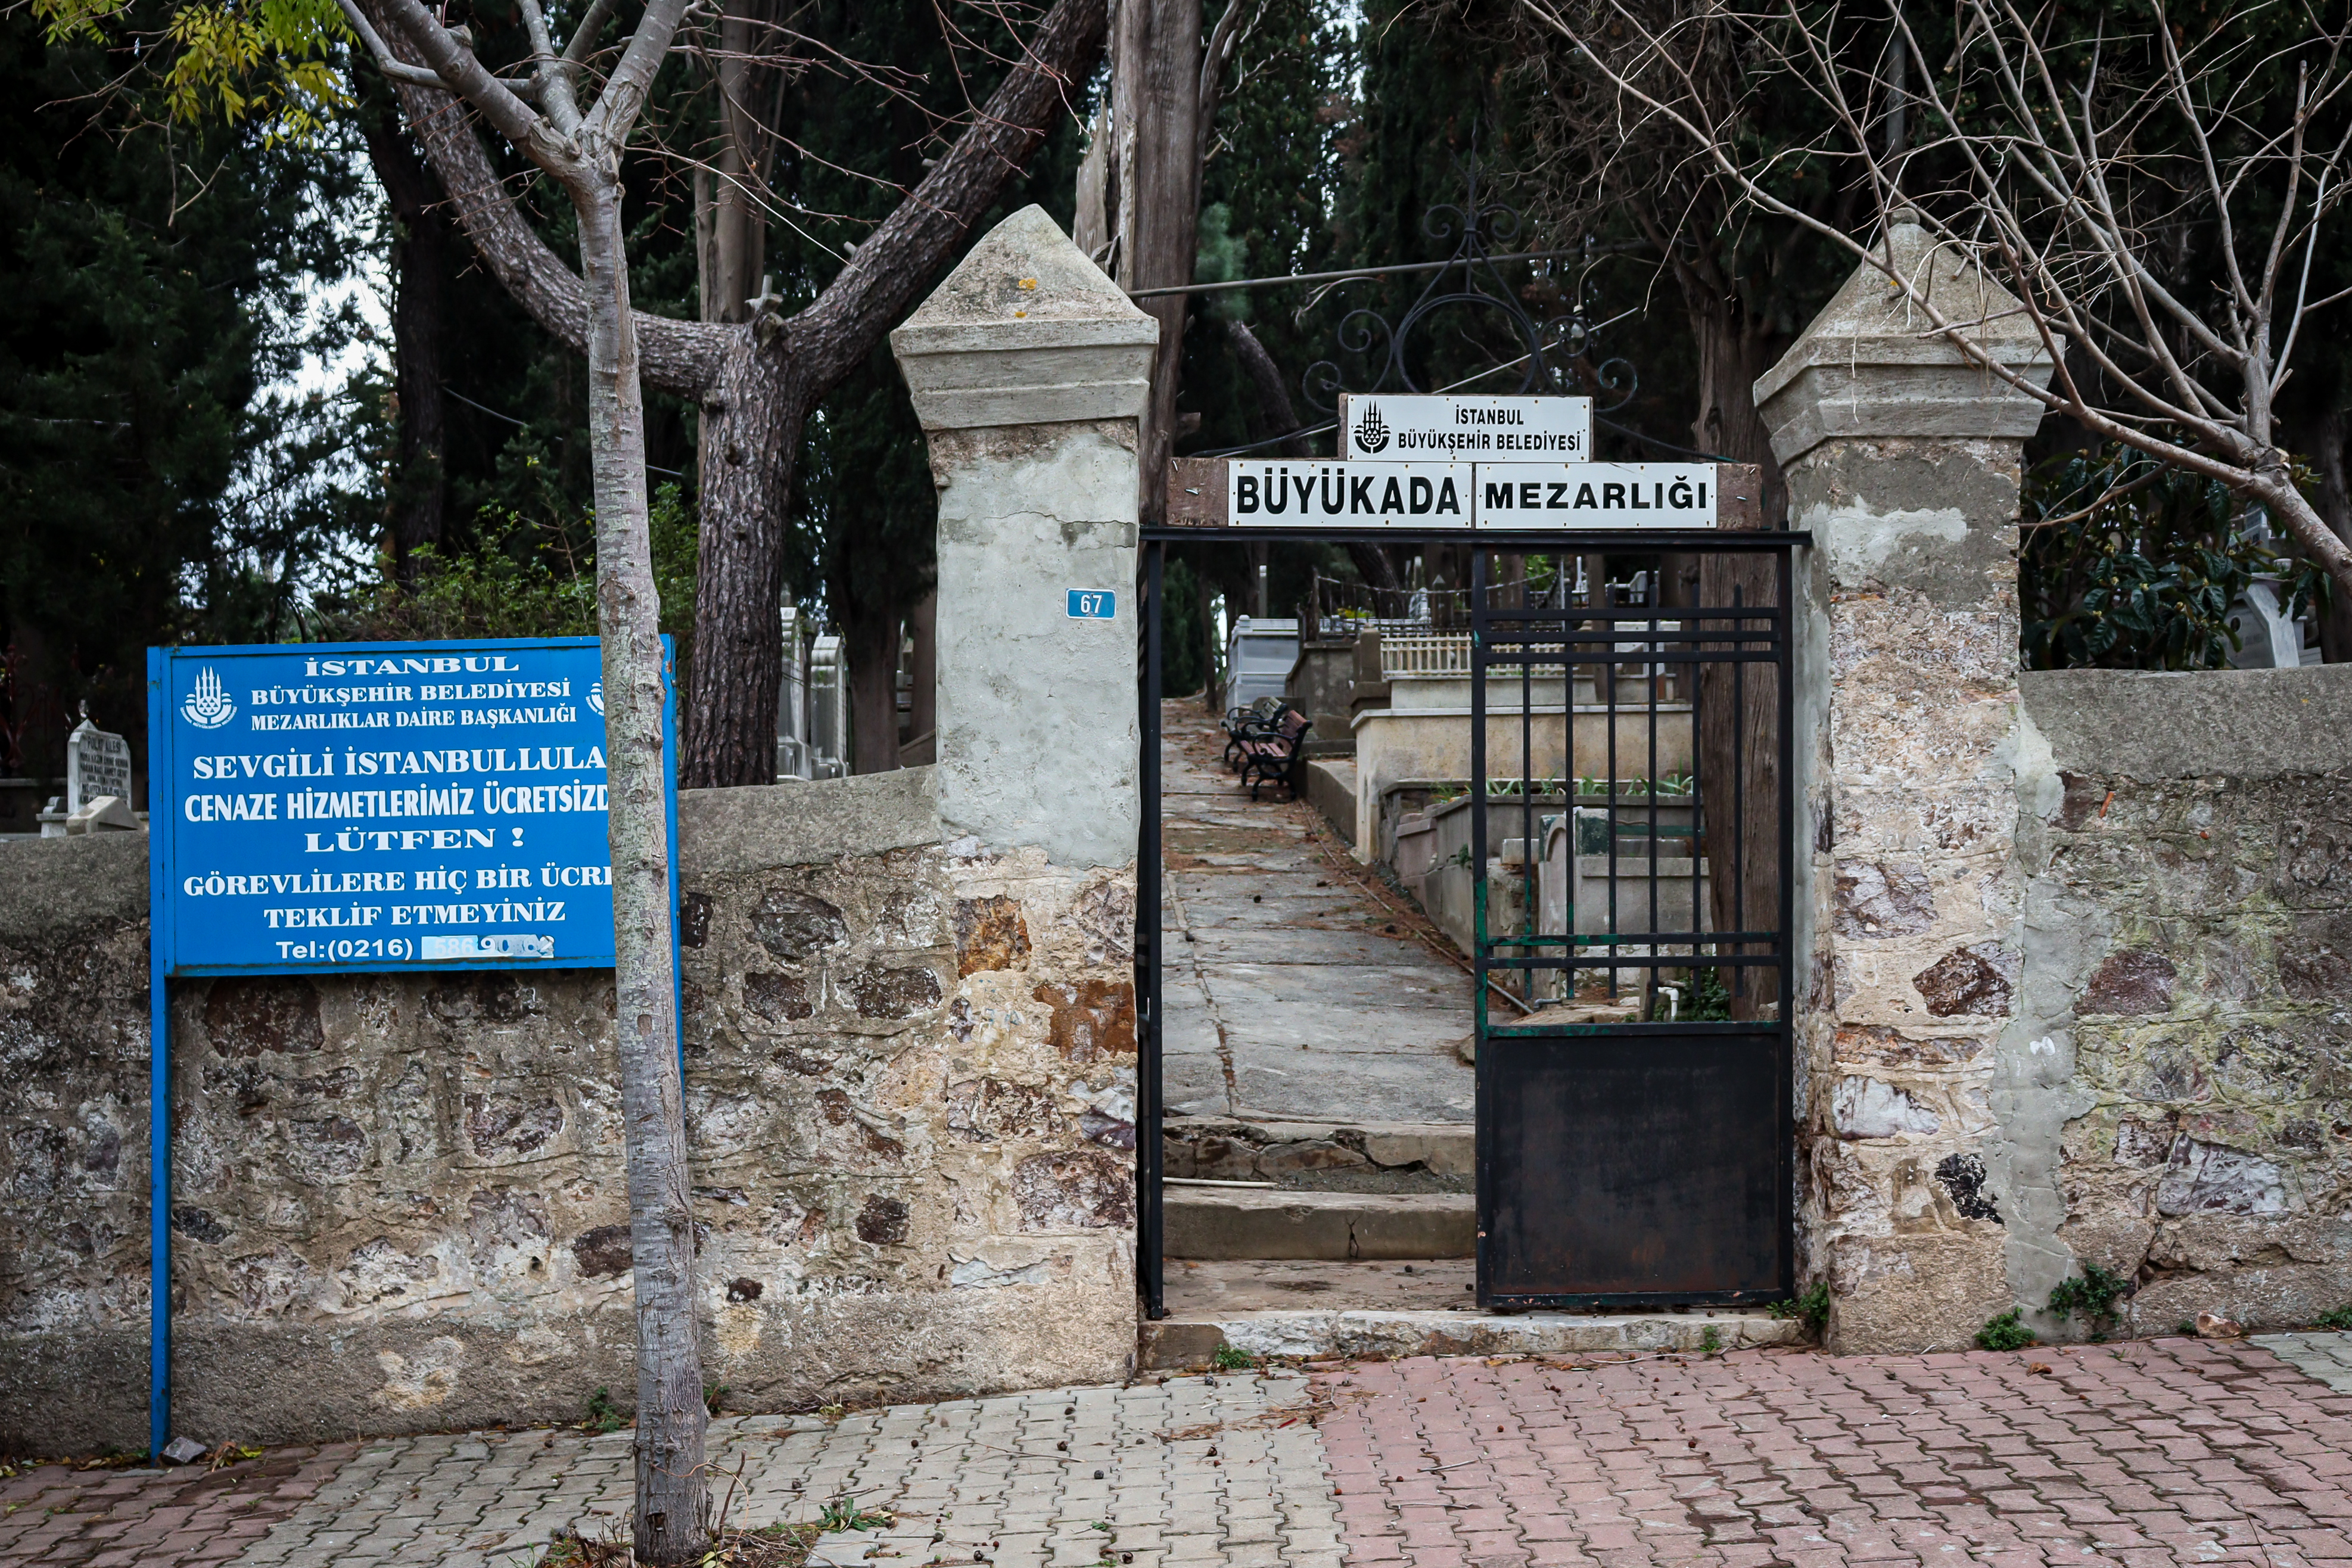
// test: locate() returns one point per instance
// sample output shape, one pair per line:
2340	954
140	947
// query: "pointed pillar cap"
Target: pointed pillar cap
1873	364
1026	331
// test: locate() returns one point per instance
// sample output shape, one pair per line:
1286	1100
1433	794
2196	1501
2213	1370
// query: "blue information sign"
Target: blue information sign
369	806
380	805
1093	604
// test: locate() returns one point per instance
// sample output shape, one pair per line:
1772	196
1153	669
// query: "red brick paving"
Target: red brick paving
102	1518
2146	1454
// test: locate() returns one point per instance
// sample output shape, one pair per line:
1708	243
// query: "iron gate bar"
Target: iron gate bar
1150	889
1149	1150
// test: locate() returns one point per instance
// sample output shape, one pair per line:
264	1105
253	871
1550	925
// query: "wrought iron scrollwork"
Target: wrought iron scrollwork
1556	353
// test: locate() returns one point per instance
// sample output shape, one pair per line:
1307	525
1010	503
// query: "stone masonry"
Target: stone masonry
2076	991
399	1203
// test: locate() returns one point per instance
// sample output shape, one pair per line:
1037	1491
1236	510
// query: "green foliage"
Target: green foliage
1710	1341
153	492
1710	1003
1224	258
2004	1333
536	585
1813	1306
2093	1296
2340	1319
1231	1360
2130	564
269	62
602	1415
843	1513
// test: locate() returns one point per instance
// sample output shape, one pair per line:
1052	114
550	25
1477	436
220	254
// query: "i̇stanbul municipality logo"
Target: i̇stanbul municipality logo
208	706
1372	432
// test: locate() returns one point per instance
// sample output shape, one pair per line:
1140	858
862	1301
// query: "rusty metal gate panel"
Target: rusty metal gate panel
1633	860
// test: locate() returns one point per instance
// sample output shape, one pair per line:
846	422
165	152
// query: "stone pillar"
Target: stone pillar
1930	1104
1029	370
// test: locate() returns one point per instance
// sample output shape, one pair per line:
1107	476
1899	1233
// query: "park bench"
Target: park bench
1273	748
1241	723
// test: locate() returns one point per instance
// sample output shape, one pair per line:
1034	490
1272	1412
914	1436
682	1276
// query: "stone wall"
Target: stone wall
2077	945
399	1199
2187	847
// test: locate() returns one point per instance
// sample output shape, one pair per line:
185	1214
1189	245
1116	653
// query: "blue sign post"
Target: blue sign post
341	808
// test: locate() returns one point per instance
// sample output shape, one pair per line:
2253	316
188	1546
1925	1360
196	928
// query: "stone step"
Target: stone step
1190	1341
1362	1156
1244	1222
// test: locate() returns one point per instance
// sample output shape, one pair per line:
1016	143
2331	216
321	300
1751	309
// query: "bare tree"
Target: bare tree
581	150
2153	200
758	380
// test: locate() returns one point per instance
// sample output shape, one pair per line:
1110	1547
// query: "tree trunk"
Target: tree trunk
750	438
1739	771
1204	600
922	705
1156	73
758	385
869	640
2322	439
1733	349
425	254
673	1521
732	233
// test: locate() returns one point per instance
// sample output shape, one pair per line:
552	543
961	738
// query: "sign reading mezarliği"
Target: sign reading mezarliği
379	805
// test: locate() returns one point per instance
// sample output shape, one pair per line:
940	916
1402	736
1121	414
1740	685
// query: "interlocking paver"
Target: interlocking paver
159	1519
2141	1454
2173	1451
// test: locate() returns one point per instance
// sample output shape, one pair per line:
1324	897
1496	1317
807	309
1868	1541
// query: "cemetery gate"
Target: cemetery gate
1632	839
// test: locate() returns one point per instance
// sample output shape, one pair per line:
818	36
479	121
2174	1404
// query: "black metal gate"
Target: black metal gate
1633	859
1633	1004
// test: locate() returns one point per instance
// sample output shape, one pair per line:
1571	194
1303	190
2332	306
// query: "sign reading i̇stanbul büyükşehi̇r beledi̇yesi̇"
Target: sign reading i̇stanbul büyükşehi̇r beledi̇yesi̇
382	806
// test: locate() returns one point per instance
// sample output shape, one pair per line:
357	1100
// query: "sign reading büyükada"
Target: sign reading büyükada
1293	494
1410	428
381	806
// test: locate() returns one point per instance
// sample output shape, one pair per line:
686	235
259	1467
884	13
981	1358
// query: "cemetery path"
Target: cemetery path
1293	991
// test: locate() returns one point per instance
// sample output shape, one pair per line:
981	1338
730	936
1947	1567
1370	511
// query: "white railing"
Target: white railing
1441	654
1449	654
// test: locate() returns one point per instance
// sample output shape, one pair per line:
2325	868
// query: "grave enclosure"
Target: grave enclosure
2074	979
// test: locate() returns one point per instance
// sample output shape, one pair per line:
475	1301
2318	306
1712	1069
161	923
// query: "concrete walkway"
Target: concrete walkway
1291	993
2140	1454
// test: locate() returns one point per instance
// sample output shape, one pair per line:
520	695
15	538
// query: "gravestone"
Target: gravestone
97	763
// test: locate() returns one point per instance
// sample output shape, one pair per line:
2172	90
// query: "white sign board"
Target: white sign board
1266	493
1409	428
1596	495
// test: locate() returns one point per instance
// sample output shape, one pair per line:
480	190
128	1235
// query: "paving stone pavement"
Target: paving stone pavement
2145	1454
2141	1454
1195	1471
2327	1357
157	1518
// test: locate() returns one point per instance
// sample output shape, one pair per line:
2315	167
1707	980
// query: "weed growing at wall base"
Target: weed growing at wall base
2004	1334
2093	1296
1814	1306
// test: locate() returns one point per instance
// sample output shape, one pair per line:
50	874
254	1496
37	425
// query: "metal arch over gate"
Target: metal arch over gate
1628	1153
